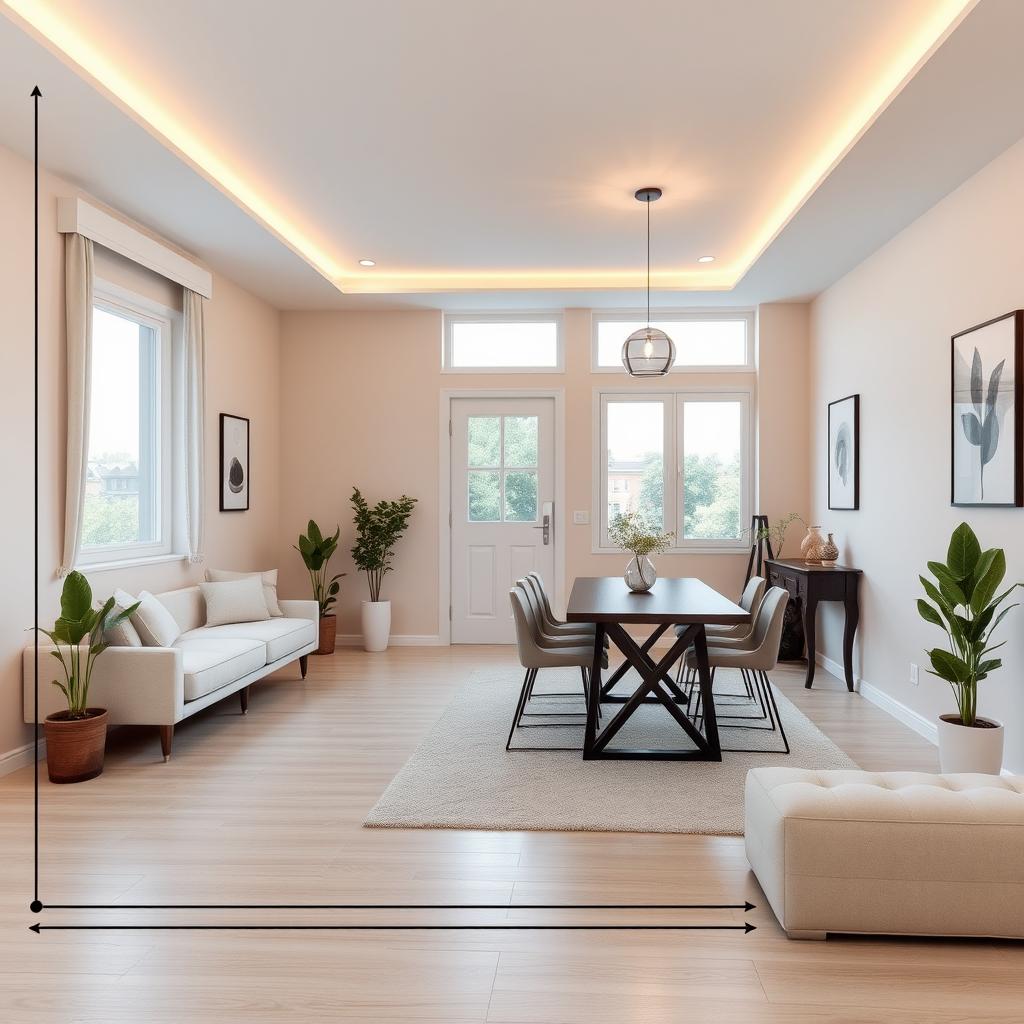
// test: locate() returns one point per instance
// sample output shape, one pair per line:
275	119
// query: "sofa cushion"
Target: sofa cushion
155	624
268	579
210	664
124	634
234	601
282	636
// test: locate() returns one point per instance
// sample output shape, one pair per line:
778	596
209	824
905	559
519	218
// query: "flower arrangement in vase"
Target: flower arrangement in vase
631	532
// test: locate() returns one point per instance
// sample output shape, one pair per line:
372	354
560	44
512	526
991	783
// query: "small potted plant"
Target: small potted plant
378	530
631	532
316	551
76	738
964	604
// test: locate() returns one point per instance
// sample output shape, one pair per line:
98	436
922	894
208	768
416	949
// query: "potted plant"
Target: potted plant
630	531
378	530
317	551
964	605
75	739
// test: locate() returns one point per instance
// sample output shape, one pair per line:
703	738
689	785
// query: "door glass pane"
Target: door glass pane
484	441
520	440
711	470
484	496
636	475
121	499
521	496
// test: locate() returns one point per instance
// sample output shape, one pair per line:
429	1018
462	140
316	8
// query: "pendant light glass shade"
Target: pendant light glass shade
648	352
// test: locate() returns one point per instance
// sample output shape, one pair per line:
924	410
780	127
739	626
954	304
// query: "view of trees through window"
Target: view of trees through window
502	461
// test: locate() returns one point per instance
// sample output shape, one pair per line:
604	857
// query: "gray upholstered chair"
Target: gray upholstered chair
551	623
536	651
755	657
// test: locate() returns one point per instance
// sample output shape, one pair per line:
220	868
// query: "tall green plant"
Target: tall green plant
378	529
78	638
317	551
964	604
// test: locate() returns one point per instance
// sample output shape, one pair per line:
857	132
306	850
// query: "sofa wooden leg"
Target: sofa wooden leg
166	739
303	664
243	697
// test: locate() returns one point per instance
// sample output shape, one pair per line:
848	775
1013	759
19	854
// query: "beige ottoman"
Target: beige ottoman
897	853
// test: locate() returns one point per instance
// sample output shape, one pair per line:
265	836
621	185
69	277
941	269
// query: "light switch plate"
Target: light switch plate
913	674
581	518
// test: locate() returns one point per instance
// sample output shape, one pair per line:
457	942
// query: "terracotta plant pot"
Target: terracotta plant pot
74	746
976	748
328	631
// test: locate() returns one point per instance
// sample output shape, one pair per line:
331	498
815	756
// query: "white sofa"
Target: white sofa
895	853
165	685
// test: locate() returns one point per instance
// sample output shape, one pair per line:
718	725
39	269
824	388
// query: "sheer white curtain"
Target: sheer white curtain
78	284
195	410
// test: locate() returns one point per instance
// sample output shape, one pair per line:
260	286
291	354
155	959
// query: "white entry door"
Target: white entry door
502	504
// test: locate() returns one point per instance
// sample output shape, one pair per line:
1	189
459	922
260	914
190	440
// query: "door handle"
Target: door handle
545	525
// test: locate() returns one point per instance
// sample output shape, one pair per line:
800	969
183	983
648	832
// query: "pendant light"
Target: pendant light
648	352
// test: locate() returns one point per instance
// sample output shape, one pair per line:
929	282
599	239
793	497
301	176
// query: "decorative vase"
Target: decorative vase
328	632
376	619
829	551
810	546
640	574
964	748
74	746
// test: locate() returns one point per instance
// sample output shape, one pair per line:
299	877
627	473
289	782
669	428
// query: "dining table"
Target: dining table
685	602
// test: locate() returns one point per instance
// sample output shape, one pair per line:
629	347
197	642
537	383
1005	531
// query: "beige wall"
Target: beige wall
365	387
242	370
883	331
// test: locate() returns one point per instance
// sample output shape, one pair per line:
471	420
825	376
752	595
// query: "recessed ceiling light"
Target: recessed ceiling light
367	263
705	259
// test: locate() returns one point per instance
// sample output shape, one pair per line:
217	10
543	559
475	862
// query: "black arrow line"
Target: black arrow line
38	928
745	907
36	94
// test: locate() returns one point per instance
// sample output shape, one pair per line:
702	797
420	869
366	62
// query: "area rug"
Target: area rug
462	777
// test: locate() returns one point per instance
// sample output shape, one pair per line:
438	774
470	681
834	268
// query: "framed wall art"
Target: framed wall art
844	453
234	463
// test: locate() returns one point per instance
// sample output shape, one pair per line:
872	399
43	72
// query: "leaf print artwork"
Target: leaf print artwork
981	427
841	455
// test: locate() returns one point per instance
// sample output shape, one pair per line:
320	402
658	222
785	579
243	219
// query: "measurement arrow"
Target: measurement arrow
38	928
36	95
745	907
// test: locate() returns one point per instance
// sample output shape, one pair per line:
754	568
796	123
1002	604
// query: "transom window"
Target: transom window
682	460
720	340
127	510
502	342
502	469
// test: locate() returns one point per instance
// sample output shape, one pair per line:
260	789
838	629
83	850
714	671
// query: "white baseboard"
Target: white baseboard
398	640
12	760
908	716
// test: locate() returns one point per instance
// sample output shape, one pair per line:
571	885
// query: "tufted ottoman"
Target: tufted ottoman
899	853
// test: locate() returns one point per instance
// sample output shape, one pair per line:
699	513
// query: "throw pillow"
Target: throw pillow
235	601
269	579
124	634
155	624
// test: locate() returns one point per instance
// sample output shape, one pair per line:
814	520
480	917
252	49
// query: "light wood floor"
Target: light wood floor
268	808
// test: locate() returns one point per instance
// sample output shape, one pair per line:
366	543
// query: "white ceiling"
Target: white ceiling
456	140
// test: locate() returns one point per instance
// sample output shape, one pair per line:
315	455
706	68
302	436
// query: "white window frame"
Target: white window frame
555	318
166	323
672	401
599	316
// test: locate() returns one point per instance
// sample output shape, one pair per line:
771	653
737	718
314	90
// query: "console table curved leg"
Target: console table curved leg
849	629
810	608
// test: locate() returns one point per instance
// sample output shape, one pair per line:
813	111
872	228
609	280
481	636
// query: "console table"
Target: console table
809	583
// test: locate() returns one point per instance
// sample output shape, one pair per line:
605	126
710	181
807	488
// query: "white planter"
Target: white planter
963	749
376	618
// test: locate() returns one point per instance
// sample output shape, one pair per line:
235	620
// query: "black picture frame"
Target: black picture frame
1012	350
229	500
855	400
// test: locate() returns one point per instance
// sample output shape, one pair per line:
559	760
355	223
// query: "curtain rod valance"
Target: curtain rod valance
76	216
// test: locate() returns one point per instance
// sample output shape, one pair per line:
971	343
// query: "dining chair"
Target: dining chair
547	615
755	657
536	652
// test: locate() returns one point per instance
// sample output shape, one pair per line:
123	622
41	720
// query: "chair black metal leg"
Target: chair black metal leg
531	674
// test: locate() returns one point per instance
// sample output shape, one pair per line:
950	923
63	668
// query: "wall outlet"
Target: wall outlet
913	674
581	518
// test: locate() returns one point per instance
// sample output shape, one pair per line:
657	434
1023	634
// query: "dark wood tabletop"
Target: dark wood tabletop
801	566
684	601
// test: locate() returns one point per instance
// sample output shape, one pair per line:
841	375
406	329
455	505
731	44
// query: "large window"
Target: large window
681	459
720	340
127	511
502	342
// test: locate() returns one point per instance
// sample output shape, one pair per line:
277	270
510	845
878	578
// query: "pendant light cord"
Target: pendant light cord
648	263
